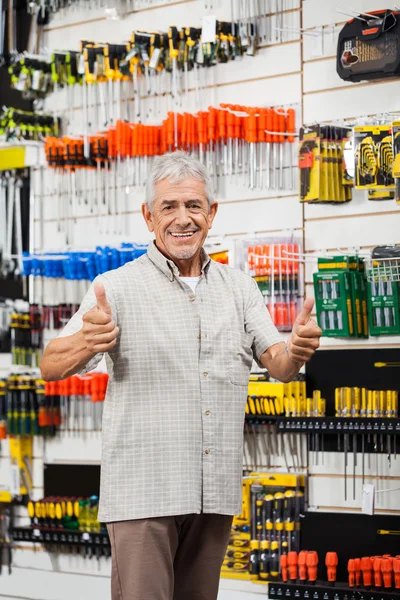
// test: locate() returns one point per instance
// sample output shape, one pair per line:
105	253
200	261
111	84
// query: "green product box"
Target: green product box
364	304
343	262
333	301
359	305
383	308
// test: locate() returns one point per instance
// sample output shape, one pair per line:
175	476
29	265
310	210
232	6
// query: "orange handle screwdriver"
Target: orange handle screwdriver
331	562
377	571
312	566
302	562
396	571
284	567
357	566
386	568
292	564
351	570
366	568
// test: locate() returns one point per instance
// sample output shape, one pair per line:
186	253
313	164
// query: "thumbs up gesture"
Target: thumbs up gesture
304	339
99	329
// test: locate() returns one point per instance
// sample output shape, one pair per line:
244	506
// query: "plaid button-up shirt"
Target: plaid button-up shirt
172	440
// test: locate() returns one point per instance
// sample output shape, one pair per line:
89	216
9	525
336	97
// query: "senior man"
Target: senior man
179	332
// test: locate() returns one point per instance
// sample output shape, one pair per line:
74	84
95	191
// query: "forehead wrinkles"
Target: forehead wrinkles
186	189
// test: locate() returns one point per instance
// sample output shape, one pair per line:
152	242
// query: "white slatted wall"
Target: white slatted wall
299	71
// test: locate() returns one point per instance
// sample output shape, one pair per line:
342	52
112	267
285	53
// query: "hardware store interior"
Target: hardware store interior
287	114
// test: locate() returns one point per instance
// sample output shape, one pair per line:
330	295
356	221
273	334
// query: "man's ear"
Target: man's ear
148	217
212	212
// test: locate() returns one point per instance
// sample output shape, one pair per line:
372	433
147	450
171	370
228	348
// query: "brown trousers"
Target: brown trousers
168	558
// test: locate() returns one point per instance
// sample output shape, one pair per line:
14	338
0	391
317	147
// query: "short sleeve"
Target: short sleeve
89	301
258	322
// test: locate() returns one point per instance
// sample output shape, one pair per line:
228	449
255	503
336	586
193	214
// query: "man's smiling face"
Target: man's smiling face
180	218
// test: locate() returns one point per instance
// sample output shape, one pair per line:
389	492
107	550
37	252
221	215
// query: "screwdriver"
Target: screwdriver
291	128
302	564
366	568
292	564
386	568
396	571
312	566
376	565
265	543
357	567
331	562
284	567
351	572
280	121
274	561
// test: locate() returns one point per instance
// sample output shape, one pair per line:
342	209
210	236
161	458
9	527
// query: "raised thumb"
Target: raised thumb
306	311
102	302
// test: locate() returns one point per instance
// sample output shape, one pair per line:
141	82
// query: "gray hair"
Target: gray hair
176	167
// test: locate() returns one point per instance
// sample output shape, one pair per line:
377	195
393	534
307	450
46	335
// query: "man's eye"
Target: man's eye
168	207
194	206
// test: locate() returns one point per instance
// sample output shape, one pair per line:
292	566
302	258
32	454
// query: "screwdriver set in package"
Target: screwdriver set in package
340	293
373	151
274	264
268	526
323	175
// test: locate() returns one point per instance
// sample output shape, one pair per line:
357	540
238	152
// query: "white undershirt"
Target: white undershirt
191	281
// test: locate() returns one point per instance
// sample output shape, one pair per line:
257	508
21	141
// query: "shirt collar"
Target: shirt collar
168	267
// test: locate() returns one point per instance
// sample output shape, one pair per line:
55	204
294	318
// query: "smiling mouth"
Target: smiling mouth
183	235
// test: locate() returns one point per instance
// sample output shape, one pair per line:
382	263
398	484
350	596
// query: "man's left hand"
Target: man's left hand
304	339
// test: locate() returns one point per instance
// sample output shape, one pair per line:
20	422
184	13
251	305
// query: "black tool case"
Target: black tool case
370	48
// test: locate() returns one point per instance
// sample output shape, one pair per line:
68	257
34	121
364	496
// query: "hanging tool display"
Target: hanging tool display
396	158
267	528
31	74
17	124
275	266
63	278
114	77
272	20
6	522
31	407
368	46
25	334
14	219
46	8
383	275
366	574
365	421
266	401
229	140
373	151
341	296
323	175
66	524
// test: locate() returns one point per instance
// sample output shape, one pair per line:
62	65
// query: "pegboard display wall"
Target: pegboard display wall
298	71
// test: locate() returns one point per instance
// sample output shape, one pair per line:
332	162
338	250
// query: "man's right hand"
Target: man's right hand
99	329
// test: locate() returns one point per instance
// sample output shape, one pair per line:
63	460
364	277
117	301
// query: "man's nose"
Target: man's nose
183	217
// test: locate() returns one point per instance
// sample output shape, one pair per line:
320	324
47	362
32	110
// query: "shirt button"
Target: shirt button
208	412
192	298
207	451
198	336
205	373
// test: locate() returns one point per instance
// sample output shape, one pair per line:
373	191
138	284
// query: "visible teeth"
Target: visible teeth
183	234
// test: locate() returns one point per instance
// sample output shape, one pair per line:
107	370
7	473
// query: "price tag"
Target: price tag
85	536
15	481
35	83
368	499
200	55
81	65
155	57
36	533
209	29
